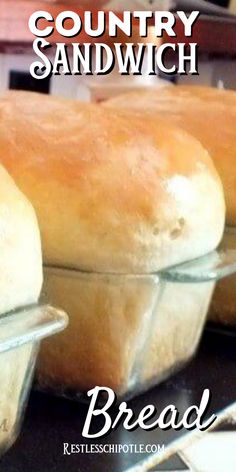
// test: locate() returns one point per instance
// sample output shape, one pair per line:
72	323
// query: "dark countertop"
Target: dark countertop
52	421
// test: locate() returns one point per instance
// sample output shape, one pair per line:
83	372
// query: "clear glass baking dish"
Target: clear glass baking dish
127	332
20	335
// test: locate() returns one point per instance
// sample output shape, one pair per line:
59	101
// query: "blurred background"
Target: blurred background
215	32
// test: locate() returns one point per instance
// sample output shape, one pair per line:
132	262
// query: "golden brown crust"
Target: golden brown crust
113	191
208	114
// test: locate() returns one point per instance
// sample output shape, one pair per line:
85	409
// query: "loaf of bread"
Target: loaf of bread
118	197
207	113
113	192
20	248
20	285
210	115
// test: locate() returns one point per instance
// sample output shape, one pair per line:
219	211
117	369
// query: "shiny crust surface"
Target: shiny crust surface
207	113
113	191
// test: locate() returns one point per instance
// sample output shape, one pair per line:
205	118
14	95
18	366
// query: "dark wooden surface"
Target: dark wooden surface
52	421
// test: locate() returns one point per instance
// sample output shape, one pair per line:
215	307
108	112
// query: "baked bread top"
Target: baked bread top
207	113
113	191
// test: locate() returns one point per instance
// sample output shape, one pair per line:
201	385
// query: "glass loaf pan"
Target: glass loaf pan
20	335
127	332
